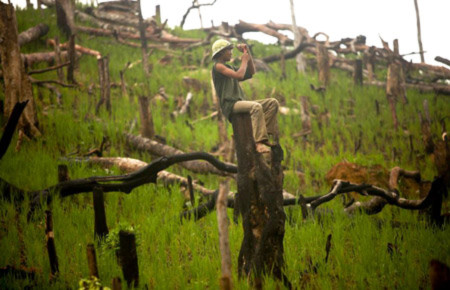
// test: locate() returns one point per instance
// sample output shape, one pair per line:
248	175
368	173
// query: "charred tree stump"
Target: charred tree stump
128	258
54	266
17	85
260	202
92	261
105	87
358	73
147	128
100	228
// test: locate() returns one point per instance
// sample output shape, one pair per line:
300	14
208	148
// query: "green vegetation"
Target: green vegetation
175	255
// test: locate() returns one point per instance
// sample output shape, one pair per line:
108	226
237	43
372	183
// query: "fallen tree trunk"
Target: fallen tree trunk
103	24
49	57
163	37
422	87
158	149
243	27
33	33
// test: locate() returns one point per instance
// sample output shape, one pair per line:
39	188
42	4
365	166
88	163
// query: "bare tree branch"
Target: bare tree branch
194	6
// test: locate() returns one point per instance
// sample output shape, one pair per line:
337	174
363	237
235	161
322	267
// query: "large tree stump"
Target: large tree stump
17	85
260	202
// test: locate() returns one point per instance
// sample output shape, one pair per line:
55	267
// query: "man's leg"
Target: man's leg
258	122
270	110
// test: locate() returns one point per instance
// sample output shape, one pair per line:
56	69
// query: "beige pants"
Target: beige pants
264	117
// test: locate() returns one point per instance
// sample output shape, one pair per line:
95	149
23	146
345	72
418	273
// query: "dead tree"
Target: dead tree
65	16
17	85
395	84
143	40
105	86
194	5
224	244
301	65
419	33
260	202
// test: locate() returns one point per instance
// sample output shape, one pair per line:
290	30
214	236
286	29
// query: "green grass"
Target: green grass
175	255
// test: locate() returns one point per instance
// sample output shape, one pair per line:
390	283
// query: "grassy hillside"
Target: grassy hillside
174	255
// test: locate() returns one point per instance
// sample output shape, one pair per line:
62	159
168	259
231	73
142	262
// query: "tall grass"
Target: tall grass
185	255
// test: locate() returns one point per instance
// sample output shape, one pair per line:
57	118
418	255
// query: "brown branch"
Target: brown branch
39	82
194	6
47	69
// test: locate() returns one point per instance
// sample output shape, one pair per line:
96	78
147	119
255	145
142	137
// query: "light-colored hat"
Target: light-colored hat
220	45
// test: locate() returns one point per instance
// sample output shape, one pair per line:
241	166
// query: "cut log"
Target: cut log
79	48
37	57
158	149
103	24
33	33
16	83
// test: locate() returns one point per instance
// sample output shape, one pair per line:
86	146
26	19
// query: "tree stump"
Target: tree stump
260	202
16	82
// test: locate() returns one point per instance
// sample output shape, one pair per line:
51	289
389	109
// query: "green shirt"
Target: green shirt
228	89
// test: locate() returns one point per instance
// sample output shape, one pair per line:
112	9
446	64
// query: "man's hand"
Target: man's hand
242	47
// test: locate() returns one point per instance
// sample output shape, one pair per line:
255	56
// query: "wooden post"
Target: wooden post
358	73
158	14
147	128
128	258
107	84
283	63
224	244
260	202
369	59
105	87
92	261
54	266
72	59
323	64
63	173
58	60
116	284
100	228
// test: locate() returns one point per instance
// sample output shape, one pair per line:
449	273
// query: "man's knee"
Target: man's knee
257	107
274	103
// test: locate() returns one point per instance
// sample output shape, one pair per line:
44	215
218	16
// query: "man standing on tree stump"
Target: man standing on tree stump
232	98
